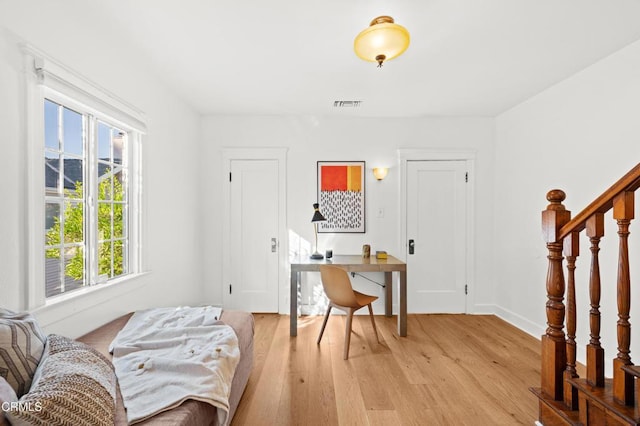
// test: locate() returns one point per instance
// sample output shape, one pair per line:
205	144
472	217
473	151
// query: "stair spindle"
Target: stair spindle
571	252
595	352
623	212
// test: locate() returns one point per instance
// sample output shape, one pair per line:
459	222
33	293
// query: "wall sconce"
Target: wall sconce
380	172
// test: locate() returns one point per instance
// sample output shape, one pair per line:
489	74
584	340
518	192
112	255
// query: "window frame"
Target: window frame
47	79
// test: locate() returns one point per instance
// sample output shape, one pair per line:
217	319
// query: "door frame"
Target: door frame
469	156
240	154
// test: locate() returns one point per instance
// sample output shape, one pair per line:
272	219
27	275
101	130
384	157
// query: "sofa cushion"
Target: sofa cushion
21	345
74	385
7	396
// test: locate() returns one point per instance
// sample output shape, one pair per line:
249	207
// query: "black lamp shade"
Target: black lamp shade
317	216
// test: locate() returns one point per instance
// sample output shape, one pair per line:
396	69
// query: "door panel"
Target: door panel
254	226
436	230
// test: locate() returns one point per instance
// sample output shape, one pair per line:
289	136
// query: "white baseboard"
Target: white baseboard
524	324
483	309
517	320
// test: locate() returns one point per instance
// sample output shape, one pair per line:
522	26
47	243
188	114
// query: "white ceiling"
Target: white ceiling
467	57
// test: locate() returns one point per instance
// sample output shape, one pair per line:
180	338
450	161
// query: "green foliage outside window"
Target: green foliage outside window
74	229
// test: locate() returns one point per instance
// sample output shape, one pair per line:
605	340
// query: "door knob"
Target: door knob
412	245
274	245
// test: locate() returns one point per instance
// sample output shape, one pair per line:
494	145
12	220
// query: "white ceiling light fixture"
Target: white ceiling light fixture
382	41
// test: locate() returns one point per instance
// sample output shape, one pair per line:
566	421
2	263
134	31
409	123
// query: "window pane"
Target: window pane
118	145
119	221
119	267
73	177
104	182
73	223
52	273
52	224
72	137
51	125
51	172
104	221
119	185
104	142
104	260
74	268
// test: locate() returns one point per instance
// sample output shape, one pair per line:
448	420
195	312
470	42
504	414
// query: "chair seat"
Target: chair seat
363	299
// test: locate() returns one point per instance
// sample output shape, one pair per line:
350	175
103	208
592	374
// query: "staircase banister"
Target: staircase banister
627	183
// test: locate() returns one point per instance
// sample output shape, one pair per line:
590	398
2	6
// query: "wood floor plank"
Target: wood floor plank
264	333
263	406
315	386
349	401
400	347
482	370
449	370
373	384
383	417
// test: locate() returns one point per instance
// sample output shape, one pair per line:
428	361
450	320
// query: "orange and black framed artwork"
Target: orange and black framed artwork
341	196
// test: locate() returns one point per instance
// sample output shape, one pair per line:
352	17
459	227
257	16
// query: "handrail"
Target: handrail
602	204
559	379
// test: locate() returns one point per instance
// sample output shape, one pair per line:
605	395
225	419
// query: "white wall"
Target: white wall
312	139
81	41
580	136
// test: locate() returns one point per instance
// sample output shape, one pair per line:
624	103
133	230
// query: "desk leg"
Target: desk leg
293	304
402	299
388	289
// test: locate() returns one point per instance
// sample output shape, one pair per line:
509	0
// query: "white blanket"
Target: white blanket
165	356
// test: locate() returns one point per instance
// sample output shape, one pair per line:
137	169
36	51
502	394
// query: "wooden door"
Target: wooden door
437	235
254	231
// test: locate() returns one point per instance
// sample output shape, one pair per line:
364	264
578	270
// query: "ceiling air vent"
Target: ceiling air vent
347	104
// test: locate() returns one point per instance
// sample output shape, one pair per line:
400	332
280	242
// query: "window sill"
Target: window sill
60	307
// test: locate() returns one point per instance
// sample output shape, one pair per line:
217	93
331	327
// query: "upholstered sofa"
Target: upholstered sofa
50	380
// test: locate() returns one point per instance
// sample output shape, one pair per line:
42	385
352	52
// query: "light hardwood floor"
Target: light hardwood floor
449	370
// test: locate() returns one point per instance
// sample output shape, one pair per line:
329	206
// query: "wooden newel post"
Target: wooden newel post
554	356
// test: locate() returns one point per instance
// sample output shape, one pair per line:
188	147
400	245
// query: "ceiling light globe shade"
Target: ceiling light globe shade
382	38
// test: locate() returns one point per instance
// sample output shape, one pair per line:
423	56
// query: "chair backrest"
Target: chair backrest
337	286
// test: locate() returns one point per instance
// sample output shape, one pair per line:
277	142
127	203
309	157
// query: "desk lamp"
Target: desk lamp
317	217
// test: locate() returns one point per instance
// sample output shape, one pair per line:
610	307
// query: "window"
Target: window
85	157
84	160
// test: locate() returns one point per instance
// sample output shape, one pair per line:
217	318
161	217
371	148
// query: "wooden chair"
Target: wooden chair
341	294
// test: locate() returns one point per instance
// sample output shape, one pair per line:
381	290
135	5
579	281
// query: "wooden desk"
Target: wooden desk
354	263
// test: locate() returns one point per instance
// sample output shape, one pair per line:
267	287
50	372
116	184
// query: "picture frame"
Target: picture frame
341	195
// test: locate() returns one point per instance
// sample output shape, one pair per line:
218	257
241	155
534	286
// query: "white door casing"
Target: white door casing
254	242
